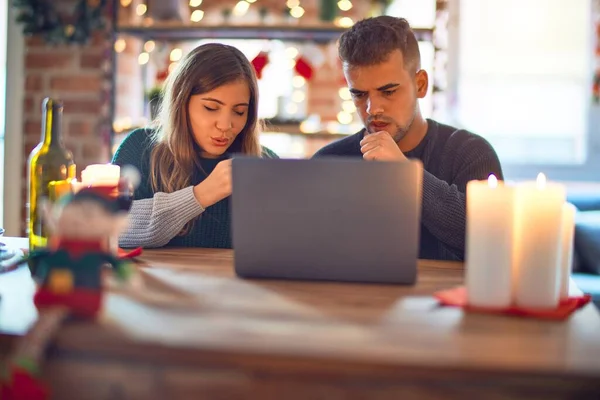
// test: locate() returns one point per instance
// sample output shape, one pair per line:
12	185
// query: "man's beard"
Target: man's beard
403	130
400	132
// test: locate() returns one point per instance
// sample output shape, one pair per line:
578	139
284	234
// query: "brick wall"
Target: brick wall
322	96
80	76
129	101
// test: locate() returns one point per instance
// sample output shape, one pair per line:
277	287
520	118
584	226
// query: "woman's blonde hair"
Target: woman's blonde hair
204	69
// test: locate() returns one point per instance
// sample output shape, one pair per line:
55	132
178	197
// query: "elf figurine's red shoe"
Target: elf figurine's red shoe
22	385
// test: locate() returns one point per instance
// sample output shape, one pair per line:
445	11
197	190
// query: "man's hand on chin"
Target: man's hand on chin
380	146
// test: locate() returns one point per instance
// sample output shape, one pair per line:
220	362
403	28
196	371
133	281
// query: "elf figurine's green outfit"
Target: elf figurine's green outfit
71	275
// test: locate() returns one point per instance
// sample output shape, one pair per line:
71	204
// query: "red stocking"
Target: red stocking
259	63
303	68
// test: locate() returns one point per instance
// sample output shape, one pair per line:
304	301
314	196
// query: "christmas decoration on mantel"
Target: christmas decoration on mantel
41	17
378	7
259	62
305	63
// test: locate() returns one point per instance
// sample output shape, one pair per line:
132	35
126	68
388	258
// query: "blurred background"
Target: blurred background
522	73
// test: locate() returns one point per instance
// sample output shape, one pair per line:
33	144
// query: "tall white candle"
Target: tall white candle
568	232
538	235
489	246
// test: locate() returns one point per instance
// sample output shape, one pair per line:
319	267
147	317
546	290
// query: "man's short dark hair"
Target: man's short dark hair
370	42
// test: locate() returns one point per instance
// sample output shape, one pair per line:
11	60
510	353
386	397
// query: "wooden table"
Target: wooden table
197	331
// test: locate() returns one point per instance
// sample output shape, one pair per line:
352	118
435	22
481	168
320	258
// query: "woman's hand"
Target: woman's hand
216	186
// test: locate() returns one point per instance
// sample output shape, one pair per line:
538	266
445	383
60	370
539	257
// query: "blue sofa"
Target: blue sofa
586	257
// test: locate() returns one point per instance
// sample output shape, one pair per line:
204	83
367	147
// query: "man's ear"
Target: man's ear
422	83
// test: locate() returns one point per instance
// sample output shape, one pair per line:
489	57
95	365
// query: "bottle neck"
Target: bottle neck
52	123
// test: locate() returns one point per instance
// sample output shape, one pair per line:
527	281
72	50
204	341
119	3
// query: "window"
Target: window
523	81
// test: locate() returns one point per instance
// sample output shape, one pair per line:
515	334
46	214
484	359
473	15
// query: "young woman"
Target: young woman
208	112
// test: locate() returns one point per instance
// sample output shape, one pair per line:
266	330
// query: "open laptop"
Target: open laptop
335	219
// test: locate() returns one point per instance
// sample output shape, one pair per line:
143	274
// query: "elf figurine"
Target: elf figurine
69	271
69	277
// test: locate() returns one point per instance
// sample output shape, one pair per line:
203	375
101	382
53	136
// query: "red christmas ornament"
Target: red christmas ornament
162	75
303	68
259	62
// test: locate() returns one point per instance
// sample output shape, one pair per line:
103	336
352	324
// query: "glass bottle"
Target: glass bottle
51	171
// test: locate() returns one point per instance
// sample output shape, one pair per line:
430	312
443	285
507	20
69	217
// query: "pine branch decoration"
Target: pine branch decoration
40	17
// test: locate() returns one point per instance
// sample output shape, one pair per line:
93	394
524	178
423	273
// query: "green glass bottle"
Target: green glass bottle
50	170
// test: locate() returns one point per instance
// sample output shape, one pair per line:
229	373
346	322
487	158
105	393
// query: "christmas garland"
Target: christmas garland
40	17
329	8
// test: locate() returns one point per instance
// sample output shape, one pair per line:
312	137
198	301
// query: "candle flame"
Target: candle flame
492	181
541	181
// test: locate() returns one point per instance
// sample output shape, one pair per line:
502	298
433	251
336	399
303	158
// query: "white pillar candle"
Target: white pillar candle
95	175
566	255
489	246
538	235
100	175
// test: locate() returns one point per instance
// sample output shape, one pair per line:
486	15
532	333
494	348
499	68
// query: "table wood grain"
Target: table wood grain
192	327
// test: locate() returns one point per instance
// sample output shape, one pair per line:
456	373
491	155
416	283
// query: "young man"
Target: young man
382	66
